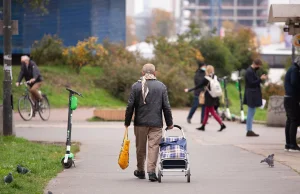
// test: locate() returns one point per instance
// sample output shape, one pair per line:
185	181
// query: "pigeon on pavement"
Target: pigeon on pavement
9	178
269	160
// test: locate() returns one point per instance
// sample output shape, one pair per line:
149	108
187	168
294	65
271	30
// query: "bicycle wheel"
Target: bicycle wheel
25	108
44	109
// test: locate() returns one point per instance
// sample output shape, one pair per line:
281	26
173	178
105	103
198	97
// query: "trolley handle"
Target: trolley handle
175	126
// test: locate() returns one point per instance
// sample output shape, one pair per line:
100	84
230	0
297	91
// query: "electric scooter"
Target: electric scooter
68	160
238	86
226	112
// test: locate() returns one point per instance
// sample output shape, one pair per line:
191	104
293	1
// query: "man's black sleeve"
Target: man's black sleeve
130	107
35	70
252	79
167	108
204	82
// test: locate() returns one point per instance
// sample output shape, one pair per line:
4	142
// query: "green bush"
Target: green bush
86	52
272	90
217	55
120	70
47	51
176	64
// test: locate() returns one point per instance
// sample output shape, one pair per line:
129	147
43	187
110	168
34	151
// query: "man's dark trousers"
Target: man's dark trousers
292	109
194	108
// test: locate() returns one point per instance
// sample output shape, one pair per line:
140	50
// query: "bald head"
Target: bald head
25	59
148	68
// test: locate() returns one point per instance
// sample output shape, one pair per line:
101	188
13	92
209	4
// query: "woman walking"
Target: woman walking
210	102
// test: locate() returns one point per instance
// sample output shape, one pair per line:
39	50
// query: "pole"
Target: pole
293	53
7	83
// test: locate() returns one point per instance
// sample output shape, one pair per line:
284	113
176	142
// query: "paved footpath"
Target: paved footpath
221	163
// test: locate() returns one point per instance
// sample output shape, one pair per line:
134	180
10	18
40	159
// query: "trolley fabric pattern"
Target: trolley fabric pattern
173	147
173	155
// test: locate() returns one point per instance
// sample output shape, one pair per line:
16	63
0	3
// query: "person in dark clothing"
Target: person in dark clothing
148	99
210	101
31	73
253	95
291	105
199	76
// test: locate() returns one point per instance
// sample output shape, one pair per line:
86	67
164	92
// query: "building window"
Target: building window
245	3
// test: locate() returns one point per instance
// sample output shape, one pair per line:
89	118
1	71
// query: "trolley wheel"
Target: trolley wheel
188	176
68	164
159	176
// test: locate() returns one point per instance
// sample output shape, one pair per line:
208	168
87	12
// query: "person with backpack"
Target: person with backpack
213	90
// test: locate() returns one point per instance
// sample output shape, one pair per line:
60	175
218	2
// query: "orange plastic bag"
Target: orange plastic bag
124	153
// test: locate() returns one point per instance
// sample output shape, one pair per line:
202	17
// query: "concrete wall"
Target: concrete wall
276	112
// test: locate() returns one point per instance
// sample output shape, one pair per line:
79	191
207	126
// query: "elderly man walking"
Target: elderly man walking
148	100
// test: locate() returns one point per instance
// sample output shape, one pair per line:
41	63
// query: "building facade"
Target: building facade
71	20
251	13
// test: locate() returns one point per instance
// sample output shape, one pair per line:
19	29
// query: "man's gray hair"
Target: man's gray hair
25	58
149	68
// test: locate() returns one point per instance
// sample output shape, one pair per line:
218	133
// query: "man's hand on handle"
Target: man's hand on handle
31	80
171	127
17	84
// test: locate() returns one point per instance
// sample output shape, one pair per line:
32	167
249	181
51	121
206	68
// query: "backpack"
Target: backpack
215	87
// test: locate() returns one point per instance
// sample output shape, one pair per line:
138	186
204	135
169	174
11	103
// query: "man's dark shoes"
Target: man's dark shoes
251	134
222	127
139	174
286	147
202	128
188	120
294	148
152	177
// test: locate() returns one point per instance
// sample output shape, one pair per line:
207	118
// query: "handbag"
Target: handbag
202	97
123	160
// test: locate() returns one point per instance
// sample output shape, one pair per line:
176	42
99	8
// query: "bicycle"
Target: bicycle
27	108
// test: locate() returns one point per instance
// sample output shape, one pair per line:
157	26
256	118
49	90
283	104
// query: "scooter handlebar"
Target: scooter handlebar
74	92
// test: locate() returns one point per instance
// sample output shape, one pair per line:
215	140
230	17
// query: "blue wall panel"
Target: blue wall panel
117	20
100	19
71	20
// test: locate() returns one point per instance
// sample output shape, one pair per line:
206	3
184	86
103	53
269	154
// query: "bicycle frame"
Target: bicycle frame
27	94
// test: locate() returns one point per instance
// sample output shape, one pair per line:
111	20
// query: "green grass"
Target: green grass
42	159
233	95
56	78
97	119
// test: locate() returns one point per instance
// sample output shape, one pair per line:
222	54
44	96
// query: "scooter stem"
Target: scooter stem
69	129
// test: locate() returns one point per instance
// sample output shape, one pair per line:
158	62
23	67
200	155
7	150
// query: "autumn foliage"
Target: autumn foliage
86	52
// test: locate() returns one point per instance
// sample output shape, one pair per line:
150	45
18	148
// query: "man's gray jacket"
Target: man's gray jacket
149	114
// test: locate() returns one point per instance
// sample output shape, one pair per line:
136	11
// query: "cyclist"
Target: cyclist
31	73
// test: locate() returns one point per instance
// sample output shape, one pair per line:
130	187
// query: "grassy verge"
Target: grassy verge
42	159
233	95
97	119
58	77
